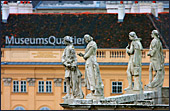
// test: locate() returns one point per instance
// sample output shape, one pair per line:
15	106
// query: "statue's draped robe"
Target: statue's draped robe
92	73
135	60
69	57
157	62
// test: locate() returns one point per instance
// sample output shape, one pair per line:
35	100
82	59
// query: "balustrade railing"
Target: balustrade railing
101	54
54	55
117	54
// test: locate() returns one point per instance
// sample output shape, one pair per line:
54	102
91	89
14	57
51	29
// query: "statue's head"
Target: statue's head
132	35
68	40
87	38
155	33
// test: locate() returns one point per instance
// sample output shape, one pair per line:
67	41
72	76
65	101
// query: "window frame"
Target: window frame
117	87
48	86
64	87
19	108
24	86
42	87
16	86
45	108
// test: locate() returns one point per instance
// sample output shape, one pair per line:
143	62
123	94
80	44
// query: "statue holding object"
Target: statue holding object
93	79
134	64
72	73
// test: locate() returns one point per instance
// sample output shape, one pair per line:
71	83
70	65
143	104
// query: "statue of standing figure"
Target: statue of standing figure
156	62
134	65
72	73
93	79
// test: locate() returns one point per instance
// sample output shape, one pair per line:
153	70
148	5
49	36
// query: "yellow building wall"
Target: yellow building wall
33	100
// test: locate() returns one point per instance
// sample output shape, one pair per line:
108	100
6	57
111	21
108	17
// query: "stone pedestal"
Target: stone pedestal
161	95
94	97
134	92
145	101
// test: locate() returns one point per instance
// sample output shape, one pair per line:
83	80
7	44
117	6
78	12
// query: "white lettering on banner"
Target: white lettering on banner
9	41
78	40
50	40
39	40
26	40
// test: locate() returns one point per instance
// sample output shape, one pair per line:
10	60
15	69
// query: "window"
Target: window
45	108
116	87
65	88
41	86
48	86
19	108
15	86
23	86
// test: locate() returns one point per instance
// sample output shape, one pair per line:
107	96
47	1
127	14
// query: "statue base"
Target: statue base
94	97
134	91
145	101
151	88
161	92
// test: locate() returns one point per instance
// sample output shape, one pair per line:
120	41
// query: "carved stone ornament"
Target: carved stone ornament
7	81
57	82
31	81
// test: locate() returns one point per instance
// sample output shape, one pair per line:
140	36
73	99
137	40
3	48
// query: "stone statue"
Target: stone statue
72	73
93	79
156	62
134	65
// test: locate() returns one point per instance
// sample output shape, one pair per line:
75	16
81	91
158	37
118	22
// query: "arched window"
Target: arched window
19	108
45	108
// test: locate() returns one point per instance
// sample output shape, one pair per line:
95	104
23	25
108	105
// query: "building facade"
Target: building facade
33	79
70	7
137	6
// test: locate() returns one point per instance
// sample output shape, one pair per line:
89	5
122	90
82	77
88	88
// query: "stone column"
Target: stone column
57	92
31	93
7	93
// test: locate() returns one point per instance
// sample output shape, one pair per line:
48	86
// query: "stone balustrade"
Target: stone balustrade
54	55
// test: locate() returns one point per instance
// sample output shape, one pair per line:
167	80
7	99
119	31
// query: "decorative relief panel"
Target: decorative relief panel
45	54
